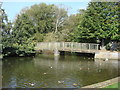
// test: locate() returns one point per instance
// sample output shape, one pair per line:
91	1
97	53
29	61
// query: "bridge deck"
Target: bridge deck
68	46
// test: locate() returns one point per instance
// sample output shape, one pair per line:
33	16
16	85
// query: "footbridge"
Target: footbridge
68	46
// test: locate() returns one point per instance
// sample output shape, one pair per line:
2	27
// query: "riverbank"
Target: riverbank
116	85
104	83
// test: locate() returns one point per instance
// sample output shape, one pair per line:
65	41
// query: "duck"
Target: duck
106	59
88	68
60	81
32	84
44	73
74	84
80	68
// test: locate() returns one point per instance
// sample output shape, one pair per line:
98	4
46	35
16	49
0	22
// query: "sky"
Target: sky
13	8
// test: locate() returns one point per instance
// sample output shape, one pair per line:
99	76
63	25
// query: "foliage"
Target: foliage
60	16
42	16
31	26
46	19
108	46
5	34
100	22
39	37
51	37
56	37
22	34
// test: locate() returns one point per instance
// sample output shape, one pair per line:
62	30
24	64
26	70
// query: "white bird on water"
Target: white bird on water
32	84
80	68
106	59
74	84
88	68
45	73
60	81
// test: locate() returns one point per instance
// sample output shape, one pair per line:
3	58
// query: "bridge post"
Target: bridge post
97	47
56	52
89	47
63	45
62	52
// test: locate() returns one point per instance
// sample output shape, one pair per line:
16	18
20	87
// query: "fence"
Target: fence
67	46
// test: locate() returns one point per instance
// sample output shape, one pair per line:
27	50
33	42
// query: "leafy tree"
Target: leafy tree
22	35
42	17
60	16
32	24
100	22
74	23
7	39
5	32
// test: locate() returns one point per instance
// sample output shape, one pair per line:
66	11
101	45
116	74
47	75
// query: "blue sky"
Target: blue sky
13	8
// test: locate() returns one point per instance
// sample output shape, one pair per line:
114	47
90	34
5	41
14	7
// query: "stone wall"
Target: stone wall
106	55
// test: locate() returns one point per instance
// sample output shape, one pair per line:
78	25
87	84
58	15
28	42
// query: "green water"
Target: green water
47	71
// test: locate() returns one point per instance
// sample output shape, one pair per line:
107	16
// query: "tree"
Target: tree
42	17
5	33
60	16
77	34
46	19
22	34
32	24
100	22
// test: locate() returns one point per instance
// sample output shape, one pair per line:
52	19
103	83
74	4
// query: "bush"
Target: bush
108	47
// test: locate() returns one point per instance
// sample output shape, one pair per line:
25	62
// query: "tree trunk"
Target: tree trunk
56	26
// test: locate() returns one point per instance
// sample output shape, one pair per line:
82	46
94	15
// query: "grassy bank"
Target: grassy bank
116	85
112	83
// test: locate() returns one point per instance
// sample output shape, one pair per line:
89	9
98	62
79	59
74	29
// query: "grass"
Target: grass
116	85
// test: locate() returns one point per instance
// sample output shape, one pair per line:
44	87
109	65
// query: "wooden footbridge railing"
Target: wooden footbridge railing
68	46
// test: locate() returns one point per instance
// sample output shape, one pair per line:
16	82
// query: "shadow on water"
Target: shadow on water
48	71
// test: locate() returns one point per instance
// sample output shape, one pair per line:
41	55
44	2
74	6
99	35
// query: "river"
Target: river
48	71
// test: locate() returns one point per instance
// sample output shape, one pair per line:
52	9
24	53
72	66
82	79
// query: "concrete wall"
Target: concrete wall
107	55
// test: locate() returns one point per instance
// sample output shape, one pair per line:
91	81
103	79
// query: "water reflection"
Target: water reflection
47	71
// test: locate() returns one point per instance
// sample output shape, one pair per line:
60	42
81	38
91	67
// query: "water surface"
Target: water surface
47	71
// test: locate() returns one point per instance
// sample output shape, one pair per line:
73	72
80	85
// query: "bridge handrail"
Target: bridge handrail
67	46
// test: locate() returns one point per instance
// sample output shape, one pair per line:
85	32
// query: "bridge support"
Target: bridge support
56	52
62	52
